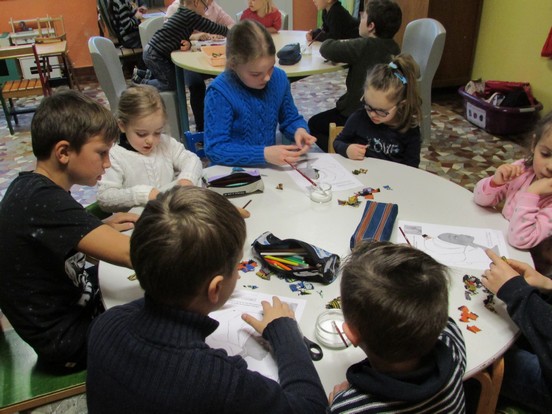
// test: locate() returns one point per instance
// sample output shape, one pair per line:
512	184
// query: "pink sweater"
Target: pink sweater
530	215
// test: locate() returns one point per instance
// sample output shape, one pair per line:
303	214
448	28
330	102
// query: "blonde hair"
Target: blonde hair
139	101
398	79
268	6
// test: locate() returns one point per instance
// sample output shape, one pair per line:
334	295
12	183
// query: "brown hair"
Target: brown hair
248	40
139	101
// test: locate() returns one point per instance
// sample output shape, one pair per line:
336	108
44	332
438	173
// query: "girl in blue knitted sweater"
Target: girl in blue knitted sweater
245	104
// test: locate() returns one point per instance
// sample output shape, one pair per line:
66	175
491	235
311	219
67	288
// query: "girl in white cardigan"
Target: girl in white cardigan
145	161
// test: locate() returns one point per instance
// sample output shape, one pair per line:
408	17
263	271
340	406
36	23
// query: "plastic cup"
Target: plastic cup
322	193
328	328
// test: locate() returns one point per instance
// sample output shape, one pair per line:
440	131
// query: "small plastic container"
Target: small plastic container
322	193
499	120
329	329
216	55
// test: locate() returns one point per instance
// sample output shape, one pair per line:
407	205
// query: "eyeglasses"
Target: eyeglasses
205	5
378	111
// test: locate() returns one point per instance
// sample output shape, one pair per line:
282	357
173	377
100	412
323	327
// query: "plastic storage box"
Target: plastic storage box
499	120
216	55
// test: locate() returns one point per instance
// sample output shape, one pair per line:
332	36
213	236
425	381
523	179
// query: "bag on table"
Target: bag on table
376	223
290	54
322	266
238	182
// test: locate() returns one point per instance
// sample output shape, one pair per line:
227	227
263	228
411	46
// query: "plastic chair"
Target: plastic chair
334	132
424	40
284	19
110	75
148	28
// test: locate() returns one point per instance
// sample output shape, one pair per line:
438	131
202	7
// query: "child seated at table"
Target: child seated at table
47	292
150	355
395	305
145	161
126	17
528	364
245	104
387	126
525	187
175	32
264	12
337	22
379	22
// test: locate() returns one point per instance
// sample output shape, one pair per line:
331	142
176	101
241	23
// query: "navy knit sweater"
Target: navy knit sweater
147	358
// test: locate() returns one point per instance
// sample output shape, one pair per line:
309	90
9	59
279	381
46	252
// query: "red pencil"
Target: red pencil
300	172
404	235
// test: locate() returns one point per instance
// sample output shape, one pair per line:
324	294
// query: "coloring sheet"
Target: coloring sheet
323	167
238	338
455	246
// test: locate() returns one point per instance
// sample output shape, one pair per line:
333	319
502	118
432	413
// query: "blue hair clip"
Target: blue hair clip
398	73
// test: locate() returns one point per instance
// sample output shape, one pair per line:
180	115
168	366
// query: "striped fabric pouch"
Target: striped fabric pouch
376	223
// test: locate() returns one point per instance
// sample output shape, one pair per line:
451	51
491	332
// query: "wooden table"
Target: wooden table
311	63
289	213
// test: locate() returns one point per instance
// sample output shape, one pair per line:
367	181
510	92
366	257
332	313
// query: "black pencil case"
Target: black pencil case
322	266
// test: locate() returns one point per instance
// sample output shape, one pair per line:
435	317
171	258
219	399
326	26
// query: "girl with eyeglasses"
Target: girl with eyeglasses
387	125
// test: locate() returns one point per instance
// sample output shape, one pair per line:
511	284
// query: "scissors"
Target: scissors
315	350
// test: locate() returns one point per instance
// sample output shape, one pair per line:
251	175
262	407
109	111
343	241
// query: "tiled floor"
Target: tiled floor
457	150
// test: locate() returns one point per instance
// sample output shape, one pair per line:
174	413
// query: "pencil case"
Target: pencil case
238	182
376	223
296	259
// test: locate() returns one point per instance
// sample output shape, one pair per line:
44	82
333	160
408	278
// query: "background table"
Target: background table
289	213
311	63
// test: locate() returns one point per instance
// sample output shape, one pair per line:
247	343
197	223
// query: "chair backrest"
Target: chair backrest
148	28
424	39
285	23
108	69
334	132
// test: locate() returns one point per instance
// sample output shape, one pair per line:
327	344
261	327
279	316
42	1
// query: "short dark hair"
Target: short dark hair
71	116
386	16
246	41
396	297
182	240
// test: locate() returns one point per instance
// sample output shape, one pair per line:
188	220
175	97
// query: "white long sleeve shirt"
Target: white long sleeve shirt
132	176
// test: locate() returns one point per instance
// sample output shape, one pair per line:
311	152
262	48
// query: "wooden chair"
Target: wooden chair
490	380
23	385
334	132
22	88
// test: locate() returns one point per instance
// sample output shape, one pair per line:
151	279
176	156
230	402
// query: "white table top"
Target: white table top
311	62
289	213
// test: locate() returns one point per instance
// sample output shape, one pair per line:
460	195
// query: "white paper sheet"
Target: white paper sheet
455	246
329	171
238	338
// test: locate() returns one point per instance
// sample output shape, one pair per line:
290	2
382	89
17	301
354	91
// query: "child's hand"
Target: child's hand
142	9
122	221
506	173
282	154
302	138
541	187
309	36
184	182
356	151
336	390
278	309
243	212
498	273
185	45
153	194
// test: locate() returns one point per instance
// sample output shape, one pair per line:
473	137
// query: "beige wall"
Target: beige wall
511	37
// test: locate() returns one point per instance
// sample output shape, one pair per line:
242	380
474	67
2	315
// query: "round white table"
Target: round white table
289	213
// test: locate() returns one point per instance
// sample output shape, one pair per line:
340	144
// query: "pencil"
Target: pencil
340	334
315	37
300	172
246	204
406	238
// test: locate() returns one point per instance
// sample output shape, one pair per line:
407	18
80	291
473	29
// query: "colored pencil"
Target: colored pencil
315	37
406	238
340	334
246	204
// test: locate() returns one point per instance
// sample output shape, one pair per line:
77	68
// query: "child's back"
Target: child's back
395	304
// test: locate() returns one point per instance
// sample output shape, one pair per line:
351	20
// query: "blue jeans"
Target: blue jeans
163	74
523	381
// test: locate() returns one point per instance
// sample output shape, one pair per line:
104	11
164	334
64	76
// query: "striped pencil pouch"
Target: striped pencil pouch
376	223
